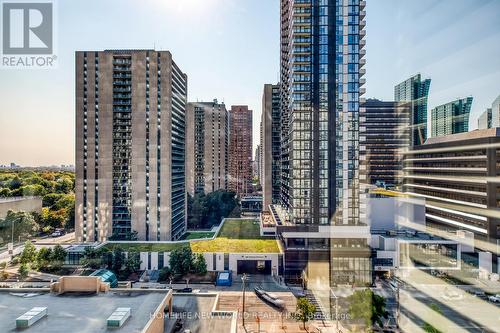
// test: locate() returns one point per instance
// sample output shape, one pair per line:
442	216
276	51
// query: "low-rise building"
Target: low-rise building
85	304
459	178
20	204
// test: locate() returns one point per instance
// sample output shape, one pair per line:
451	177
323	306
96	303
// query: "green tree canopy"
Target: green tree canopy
367	306
304	311
28	255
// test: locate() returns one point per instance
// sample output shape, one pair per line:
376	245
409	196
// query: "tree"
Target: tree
199	264
33	190
64	185
15	183
207	210
133	262
164	274
118	260
5	192
24	225
92	258
28	255
3	275
44	258
50	199
367	306
181	260
58	256
304	311
23	271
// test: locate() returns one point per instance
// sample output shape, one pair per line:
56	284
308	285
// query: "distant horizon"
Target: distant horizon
228	56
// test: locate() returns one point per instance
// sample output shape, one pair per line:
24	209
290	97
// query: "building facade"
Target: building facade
322	69
240	150
416	91
484	120
458	176
207	147
384	137
451	118
270	145
495	112
130	146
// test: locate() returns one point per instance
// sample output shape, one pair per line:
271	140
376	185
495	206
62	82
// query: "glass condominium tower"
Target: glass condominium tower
322	50
416	91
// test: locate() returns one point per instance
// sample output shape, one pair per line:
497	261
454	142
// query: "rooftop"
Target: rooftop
238	236
80	312
235	236
476	134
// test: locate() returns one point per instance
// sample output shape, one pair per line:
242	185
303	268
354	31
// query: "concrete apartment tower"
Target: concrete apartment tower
130	146
270	146
240	150
207	140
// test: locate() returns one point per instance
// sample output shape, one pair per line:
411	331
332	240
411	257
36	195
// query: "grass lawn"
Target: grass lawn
145	247
238	236
198	234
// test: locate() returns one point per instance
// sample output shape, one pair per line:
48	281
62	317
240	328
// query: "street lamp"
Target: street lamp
244	278
336	311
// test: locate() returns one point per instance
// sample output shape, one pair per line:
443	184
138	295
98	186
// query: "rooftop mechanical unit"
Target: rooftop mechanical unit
119	317
31	317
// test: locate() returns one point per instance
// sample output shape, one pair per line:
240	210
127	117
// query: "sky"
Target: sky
230	49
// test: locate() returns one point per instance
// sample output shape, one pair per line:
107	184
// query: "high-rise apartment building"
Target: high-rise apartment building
416	91
130	146
240	150
257	162
270	145
207	147
384	137
484	120
322	69
495	112
451	118
322	59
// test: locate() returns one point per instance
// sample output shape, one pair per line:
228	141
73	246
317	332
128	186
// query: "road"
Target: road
39	242
465	313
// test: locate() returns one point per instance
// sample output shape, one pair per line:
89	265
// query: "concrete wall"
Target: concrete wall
156	323
79	284
20	204
218	265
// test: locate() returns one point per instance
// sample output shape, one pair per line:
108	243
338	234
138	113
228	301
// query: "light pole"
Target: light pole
397	297
243	280
336	311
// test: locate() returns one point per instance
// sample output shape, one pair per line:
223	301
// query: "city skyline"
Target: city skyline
430	46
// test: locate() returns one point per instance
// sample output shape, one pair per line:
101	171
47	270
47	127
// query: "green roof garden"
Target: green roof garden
235	236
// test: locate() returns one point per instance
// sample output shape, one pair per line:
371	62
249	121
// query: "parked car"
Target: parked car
56	234
494	298
186	290
476	293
